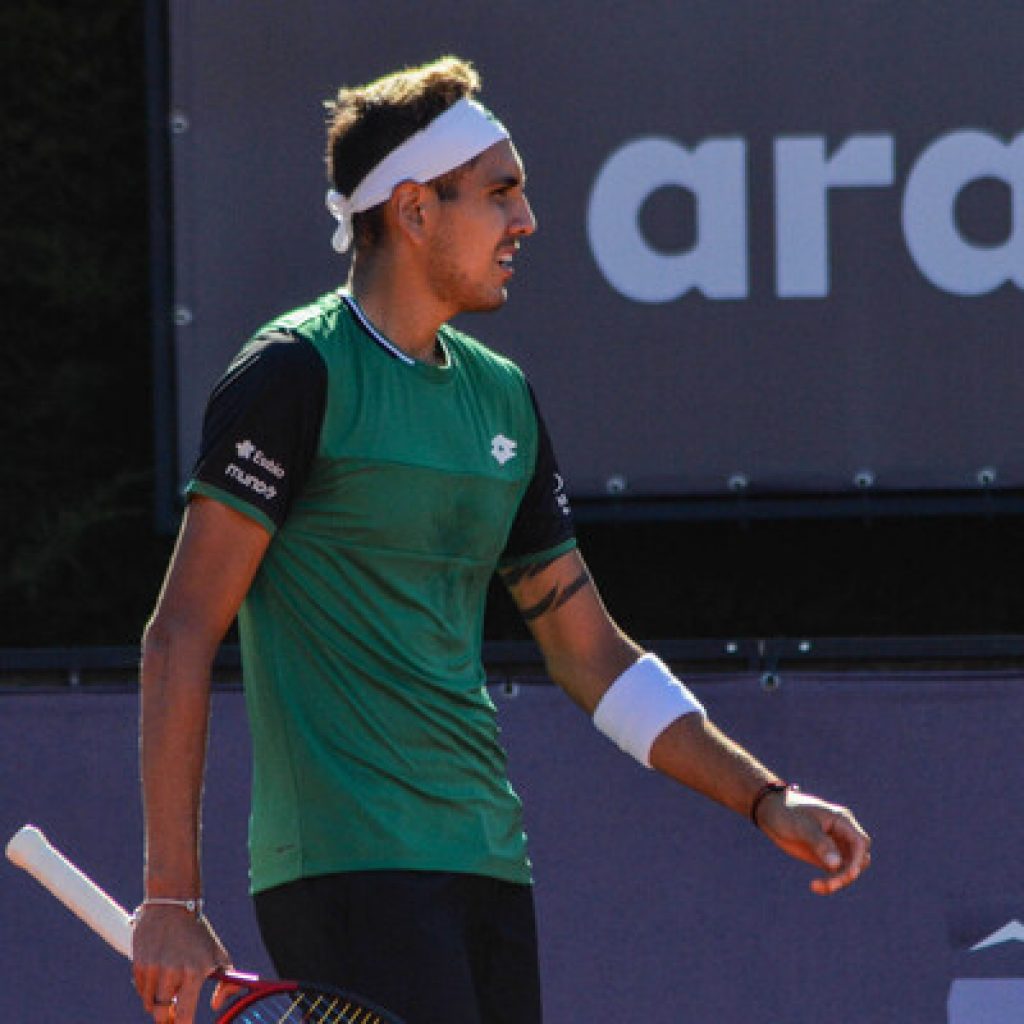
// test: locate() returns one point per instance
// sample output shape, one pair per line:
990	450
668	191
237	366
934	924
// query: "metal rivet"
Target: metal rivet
615	484
182	316
179	122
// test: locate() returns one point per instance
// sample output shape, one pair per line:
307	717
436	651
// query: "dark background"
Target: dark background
80	556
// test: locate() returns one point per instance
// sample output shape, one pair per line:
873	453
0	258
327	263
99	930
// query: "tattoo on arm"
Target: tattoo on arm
513	577
555	598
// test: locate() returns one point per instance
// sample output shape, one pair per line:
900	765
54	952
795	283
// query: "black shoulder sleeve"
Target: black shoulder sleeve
544	519
262	426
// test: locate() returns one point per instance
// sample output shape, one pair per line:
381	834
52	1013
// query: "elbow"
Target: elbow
175	649
155	638
162	638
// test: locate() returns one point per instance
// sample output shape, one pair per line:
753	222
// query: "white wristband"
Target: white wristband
641	704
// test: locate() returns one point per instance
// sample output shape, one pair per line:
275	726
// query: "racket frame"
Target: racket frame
30	850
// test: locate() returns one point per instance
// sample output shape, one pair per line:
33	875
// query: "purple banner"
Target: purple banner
654	904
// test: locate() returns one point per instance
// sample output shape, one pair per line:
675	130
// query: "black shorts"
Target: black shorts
433	947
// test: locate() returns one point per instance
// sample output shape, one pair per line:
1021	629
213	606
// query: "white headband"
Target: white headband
464	130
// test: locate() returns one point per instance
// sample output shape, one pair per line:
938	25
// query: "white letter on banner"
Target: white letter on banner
936	245
803	176
715	172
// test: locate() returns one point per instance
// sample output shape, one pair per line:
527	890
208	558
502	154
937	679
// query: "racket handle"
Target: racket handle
30	851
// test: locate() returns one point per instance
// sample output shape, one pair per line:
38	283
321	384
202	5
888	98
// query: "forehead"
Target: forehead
500	162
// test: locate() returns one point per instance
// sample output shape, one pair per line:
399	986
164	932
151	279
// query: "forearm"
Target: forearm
175	683
695	752
218	553
637	702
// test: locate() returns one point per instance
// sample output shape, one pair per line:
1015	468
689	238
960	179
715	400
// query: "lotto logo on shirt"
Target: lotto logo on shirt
503	448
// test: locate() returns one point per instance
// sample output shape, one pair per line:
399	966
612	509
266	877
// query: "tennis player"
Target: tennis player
364	470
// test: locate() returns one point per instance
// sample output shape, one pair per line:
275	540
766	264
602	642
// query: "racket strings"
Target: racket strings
332	1009
307	1007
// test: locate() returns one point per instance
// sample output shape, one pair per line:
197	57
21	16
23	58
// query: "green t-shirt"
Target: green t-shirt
393	489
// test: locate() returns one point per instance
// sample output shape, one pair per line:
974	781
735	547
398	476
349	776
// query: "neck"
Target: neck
406	315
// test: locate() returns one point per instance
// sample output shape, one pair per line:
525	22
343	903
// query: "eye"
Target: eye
507	189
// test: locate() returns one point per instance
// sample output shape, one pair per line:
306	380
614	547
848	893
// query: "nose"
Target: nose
523	221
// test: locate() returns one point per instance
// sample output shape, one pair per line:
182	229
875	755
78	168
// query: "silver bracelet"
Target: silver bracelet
193	906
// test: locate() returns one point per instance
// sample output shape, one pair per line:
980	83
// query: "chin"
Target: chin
487	304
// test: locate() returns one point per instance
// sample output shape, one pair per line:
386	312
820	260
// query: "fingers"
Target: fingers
163	1012
154	989
173	955
223	992
183	1010
845	851
157	992
169	995
820	833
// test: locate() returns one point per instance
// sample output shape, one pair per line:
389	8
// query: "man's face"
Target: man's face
478	232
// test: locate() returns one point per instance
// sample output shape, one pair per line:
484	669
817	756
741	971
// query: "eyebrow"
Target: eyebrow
508	181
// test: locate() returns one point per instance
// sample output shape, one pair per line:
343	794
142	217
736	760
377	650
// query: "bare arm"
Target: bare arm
585	652
214	562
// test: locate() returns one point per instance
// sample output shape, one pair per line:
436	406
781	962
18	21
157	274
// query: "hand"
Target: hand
173	953
823	834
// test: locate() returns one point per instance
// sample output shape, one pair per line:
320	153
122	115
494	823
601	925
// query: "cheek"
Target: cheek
486	225
454	263
467	243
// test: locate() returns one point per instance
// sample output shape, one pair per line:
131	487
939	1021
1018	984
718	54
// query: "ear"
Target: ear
407	203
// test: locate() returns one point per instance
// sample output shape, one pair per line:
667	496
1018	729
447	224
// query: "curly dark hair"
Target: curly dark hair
367	122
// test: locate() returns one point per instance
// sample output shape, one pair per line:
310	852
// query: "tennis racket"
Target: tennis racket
284	1002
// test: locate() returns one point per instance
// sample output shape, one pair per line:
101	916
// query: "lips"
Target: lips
505	259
